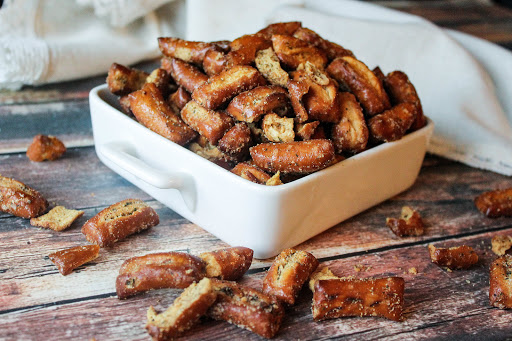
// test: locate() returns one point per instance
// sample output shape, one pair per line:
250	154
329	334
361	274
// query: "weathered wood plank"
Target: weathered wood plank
438	304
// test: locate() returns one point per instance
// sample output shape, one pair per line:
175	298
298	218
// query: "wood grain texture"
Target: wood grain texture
37	302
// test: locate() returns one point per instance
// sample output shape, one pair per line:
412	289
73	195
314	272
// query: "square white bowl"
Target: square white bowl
266	219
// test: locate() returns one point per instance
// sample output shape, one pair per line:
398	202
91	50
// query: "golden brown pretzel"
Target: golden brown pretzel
236	141
185	311
163	81
157	271
185	74
118	221
277	129
188	51
244	49
293	157
44	147
392	124
68	260
288	273
342	297
497	203
306	130
500	289
246	308
222	87
20	200
229	264
122	80
178	99
151	110
251	172
321	100
332	50
401	90
284	28
457	257
209	123
409	224
292	52
350	134
268	64
362	82
251	105
214	62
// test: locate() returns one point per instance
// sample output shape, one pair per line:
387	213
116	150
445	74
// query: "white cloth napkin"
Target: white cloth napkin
463	82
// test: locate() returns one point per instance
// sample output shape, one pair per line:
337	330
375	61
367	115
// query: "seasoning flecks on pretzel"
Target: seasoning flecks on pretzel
292	52
453	258
494	204
187	51
350	134
409	224
68	260
392	124
209	123
229	264
500	278
288	273
20	200
334	298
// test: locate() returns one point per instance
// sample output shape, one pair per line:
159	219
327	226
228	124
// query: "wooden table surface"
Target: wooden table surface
38	303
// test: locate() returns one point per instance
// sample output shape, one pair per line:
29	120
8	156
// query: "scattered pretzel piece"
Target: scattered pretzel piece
246	308
409	224
494	204
44	147
458	257
501	244
185	311
20	200
343	297
118	221
288	273
500	278
229	264
58	218
320	273
68	260
157	271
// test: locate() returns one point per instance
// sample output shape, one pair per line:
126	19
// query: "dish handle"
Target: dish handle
124	156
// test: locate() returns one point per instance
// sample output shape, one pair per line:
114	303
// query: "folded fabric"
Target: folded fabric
463	82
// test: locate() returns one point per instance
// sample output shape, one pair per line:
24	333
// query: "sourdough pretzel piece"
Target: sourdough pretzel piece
320	273
284	28
244	49
251	172
494	204
297	90
236	141
157	271
305	131
212	153
454	258
278	129
362	82
392	124
501	244
288	273
118	221
344	297
292	52
68	260
163	81
209	123
332	50
322	101
44	147
268	64
185	311
222	87
500	278
178	99
122	80
188	51
152	111
251	105
58	218
246	308
401	90
293	157
20	200
214	62
350	134
409	224
229	264
185	74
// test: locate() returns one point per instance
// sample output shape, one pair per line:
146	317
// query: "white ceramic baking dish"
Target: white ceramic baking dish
266	219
